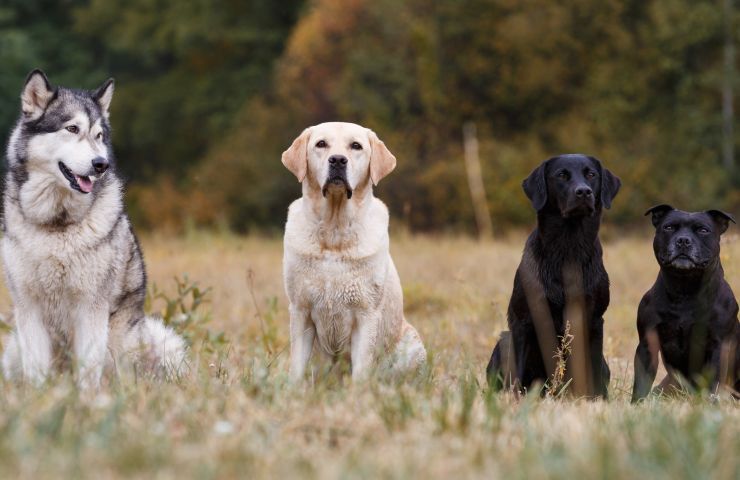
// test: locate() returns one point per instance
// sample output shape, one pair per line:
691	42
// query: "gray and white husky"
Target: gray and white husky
72	262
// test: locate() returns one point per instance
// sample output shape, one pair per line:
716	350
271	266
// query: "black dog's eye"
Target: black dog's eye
356	146
72	129
321	144
564	175
703	230
590	175
668	228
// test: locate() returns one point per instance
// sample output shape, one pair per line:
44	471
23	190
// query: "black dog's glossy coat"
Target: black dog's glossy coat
568	219
691	308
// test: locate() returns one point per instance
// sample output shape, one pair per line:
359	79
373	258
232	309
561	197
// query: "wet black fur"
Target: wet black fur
555	241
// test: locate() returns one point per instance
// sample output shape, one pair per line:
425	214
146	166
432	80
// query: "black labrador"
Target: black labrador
690	315
561	275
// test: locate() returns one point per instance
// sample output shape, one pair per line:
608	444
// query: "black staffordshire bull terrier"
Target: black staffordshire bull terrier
690	313
561	275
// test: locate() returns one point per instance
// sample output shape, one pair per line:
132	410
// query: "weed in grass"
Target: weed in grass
182	312
266	319
395	408
558	384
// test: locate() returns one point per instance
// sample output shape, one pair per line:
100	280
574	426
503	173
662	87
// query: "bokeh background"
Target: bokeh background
210	92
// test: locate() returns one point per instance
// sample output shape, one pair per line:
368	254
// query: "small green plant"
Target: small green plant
469	390
268	326
441	411
182	311
395	410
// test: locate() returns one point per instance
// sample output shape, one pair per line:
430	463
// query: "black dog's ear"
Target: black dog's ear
610	184
658	212
535	186
722	219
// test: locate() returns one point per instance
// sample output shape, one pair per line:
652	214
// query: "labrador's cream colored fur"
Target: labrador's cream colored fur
343	287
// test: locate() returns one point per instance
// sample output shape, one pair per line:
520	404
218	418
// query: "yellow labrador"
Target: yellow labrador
341	282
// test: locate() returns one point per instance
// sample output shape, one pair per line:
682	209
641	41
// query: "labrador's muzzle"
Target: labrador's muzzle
337	175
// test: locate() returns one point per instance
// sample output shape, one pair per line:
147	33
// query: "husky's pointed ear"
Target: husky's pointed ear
722	219
36	95
535	185
659	212
103	96
295	158
610	184
382	161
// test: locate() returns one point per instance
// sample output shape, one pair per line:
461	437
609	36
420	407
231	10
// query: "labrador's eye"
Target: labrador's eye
590	175
356	146
72	129
321	144
564	175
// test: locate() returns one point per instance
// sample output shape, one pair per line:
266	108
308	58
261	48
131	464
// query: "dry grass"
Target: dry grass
235	416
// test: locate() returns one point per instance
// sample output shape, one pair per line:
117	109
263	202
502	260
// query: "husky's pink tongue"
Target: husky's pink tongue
85	183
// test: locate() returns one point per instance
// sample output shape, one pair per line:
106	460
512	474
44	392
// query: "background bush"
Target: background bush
209	93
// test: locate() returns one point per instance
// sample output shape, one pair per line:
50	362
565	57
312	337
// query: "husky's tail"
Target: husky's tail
155	349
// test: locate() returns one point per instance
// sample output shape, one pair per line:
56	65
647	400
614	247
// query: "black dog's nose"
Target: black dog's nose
338	160
683	241
100	164
584	192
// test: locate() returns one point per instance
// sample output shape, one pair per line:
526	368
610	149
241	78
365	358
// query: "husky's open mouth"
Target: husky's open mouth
83	184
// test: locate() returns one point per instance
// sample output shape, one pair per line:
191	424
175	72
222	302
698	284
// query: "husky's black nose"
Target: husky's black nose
100	164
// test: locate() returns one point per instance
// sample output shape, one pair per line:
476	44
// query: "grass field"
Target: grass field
235	416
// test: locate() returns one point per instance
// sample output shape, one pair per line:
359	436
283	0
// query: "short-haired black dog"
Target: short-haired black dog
561	276
690	313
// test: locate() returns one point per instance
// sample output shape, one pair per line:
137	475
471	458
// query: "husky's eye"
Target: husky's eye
99	136
72	129
356	146
321	144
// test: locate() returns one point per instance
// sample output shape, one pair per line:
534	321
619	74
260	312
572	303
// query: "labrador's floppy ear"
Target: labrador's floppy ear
610	184
295	158
722	219
659	212
103	96
382	161
535	186
36	96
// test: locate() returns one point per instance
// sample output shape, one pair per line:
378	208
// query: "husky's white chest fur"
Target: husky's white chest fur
53	259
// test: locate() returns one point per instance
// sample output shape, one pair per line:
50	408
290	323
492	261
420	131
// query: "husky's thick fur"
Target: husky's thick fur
72	262
343	287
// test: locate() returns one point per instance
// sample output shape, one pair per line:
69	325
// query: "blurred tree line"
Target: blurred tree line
210	92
